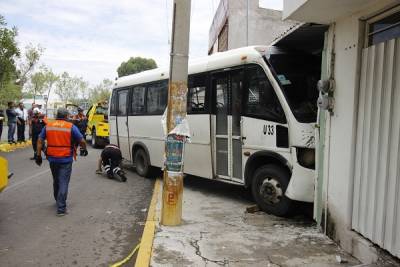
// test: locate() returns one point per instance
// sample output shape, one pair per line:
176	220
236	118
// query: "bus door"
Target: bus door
122	123
227	88
112	119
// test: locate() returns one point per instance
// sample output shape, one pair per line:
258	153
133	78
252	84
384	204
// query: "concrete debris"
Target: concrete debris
252	209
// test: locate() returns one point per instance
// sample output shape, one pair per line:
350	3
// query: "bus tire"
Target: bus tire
269	185
142	163
94	141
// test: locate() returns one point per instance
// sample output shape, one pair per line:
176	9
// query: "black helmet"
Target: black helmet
80	109
62	113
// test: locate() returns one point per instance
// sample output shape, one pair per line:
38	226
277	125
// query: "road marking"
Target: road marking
26	180
146	245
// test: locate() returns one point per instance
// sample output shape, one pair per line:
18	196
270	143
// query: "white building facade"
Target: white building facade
357	193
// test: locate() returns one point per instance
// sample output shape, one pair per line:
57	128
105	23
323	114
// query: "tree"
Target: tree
51	79
136	65
71	89
101	92
64	88
9	52
9	92
37	84
28	63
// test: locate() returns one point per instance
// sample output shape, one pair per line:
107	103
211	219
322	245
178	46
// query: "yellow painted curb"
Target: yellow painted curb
144	254
5	147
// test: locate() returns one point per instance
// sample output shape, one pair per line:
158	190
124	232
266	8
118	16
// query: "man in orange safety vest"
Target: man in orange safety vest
61	136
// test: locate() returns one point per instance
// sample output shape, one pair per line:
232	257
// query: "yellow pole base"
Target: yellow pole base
3	173
171	212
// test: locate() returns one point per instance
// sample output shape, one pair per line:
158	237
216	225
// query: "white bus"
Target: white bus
251	113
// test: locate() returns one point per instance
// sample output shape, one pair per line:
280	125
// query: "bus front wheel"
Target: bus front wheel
269	185
142	163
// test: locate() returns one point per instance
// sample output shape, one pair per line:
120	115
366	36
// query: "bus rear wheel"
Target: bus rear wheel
142	163
269	185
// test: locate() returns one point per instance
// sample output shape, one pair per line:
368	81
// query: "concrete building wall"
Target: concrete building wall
248	25
347	27
348	42
342	128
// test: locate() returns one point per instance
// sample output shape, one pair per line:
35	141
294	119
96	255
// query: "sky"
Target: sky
90	38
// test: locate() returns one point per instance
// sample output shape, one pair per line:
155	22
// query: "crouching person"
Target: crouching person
61	136
110	159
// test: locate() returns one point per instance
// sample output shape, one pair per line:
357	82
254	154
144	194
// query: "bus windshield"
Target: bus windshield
298	75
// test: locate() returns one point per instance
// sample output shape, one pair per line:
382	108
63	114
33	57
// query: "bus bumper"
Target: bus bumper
301	185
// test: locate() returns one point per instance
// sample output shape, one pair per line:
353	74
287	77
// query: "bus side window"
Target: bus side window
261	101
122	99
113	106
157	94
196	99
138	100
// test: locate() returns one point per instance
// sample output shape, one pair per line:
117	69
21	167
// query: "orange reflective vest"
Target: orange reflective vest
59	139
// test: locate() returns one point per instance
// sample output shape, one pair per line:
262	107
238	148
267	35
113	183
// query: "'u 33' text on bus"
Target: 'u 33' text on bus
251	113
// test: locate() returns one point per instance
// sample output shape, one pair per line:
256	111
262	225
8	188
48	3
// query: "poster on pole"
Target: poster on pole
174	152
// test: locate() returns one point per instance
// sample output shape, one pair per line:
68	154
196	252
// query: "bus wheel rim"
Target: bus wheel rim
271	191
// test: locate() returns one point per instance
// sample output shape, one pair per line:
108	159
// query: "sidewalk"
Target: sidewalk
217	231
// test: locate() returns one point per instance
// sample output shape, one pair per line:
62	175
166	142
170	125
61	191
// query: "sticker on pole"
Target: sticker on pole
174	152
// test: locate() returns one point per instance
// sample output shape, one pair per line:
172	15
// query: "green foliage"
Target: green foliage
37	84
71	89
10	92
101	92
8	54
40	82
27	65
136	65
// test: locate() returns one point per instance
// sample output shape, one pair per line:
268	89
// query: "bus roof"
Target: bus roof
216	61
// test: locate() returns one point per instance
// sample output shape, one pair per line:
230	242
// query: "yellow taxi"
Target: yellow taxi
97	124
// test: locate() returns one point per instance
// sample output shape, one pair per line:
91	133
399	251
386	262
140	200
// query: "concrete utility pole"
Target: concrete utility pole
176	114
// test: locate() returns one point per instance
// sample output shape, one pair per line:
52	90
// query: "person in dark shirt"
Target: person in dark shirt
80	121
110	159
11	121
37	124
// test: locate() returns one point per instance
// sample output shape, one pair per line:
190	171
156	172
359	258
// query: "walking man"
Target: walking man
11	121
22	116
61	136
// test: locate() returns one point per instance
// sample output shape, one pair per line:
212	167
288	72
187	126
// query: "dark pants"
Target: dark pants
111	159
61	175
11	131
35	138
1	129
21	131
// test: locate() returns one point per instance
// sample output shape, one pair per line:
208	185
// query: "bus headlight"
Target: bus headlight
306	157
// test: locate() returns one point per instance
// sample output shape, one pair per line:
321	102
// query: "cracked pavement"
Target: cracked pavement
217	231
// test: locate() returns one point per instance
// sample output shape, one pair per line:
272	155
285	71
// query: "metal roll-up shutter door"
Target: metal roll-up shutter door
376	203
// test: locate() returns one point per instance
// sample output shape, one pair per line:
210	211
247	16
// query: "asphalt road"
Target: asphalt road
105	220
